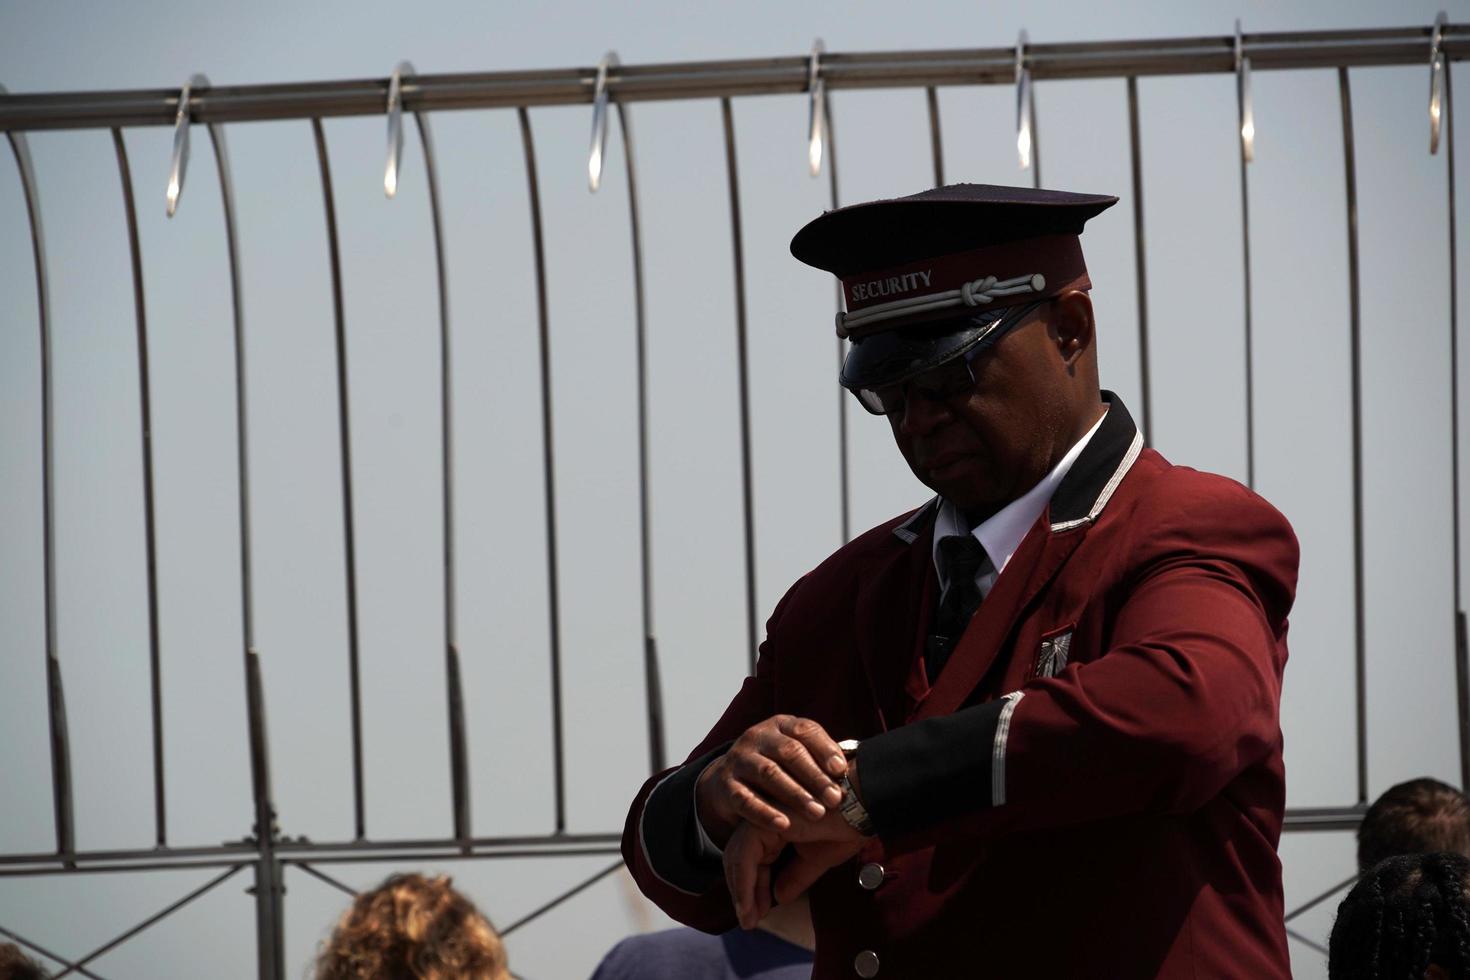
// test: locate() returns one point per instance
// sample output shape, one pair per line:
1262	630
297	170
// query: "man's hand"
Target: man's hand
777	769
752	850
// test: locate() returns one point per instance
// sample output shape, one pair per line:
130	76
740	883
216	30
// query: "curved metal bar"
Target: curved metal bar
179	165
1462	640
155	661
227	197
816	106
599	122
843	465
747	490
349	520
1035	141
936	145
1245	116
394	110
653	687
269	924
61	782
1140	255
152	920
1449	120
1355	323
458	745
1023	100
553	579
1438	79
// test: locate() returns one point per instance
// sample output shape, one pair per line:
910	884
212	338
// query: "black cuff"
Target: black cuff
921	774
670	836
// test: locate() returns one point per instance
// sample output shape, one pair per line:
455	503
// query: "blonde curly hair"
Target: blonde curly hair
413	928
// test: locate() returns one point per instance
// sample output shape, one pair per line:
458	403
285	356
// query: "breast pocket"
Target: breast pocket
1054	652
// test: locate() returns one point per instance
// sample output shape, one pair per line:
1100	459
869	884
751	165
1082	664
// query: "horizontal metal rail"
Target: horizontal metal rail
725	79
291	847
1315	818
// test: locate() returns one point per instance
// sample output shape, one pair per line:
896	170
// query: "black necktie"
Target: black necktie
963	558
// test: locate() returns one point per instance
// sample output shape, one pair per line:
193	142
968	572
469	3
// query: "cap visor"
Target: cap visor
896	355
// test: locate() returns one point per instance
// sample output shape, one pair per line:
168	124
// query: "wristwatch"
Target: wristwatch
852	808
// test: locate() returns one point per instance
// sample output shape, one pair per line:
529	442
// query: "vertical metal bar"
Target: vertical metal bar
269	891
936	144
1245	245
744	371
1462	668
271	954
270	919
155	662
349	520
1140	268
61	794
1354	311
843	466
652	684
458	748
548	457
1035	136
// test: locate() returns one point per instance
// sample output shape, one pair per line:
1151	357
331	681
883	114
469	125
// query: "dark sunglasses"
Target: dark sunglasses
952	379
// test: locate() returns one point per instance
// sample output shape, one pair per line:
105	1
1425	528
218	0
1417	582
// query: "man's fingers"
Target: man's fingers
742	858
798	757
821	746
762	891
771	774
758	811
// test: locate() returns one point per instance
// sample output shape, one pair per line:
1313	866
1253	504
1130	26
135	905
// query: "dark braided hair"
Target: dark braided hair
1406	913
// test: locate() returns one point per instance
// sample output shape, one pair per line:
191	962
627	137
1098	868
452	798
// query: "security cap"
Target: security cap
925	278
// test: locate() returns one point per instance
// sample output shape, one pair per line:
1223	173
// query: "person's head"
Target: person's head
1415	817
1407	918
971	330
15	965
413	928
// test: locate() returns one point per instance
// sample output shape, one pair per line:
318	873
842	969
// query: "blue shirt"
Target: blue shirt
687	954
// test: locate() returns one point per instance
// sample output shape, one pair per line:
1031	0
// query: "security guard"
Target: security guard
1030	728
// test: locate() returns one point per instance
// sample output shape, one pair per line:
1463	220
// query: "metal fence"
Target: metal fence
610	85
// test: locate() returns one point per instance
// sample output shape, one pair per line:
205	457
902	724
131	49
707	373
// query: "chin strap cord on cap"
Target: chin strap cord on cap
977	292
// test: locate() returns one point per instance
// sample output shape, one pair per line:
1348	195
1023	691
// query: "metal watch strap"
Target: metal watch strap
852	808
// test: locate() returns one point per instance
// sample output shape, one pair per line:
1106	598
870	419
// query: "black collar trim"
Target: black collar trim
1090	483
908	532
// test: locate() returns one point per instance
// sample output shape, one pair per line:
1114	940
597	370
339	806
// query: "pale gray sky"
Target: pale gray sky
1194	269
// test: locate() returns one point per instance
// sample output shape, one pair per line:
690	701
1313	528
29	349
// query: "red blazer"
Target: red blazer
1118	819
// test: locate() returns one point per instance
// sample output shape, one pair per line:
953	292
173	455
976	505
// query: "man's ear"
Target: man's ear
1072	324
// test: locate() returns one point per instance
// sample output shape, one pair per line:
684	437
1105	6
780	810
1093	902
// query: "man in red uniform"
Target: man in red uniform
1056	684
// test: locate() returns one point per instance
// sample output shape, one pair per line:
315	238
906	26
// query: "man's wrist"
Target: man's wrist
715	829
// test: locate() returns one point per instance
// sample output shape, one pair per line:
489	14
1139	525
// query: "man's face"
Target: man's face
982	449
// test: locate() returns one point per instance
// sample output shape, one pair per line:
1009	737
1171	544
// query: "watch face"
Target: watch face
848	746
